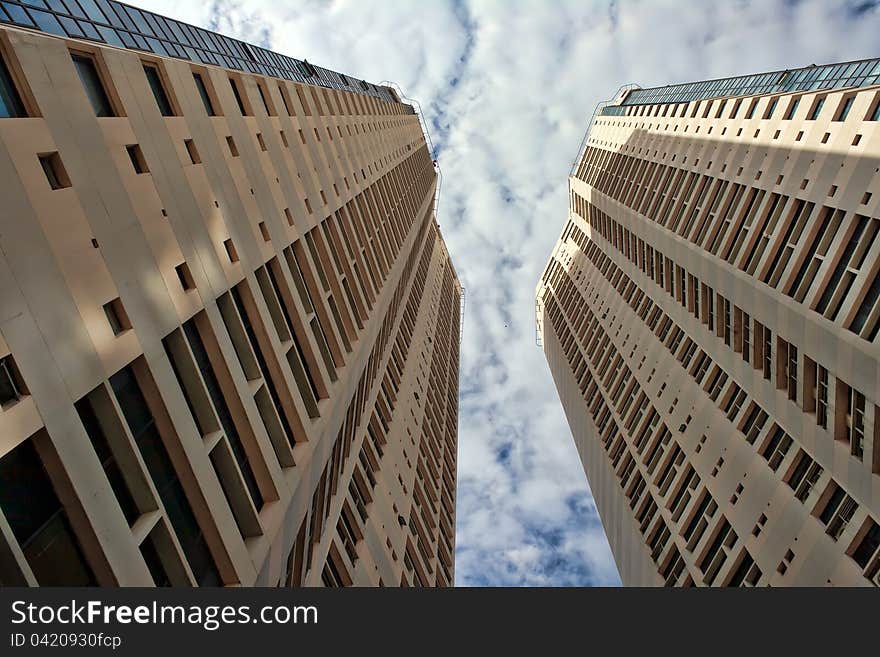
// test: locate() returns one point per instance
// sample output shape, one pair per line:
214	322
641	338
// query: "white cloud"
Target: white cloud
526	78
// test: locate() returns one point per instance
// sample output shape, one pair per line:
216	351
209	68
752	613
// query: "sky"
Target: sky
507	88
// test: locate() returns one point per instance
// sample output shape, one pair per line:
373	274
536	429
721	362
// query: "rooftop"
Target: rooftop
117	24
862	73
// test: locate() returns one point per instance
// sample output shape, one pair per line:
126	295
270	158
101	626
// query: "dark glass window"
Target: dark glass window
18	14
261	361
116	316
238	98
158	88
39	521
99	441
845	108
143	429
284	99
91	81
842	264
868	545
817	109
203	92
54	170
138	161
47	22
213	386
11	386
833	502
10	101
269	112
92	10
150	553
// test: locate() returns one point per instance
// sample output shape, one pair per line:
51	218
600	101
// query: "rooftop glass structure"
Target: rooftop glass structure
124	26
862	73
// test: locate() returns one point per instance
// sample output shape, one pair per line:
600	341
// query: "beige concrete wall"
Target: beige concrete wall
830	163
339	162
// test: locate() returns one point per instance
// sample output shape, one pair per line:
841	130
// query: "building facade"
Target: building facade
710	316
229	325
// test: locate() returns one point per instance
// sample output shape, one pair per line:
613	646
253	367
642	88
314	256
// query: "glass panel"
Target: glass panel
70	26
10	101
73	9
158	90
47	22
142	424
39	521
203	92
92	10
219	402
94	88
108	461
111	37
18	14
89	31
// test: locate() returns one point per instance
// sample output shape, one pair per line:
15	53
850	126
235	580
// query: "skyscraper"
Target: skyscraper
229	325
710	316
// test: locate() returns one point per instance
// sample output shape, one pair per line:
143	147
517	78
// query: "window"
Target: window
845	107
11	105
786	372
771	108
267	101
142	424
185	277
155	80
838	511
804	475
238	97
230	250
821	396
817	109
54	169
867	546
192	151
746	337
138	161
763	350
208	405
203	92
736	107
850	418
752	107
116	316
38	519
12	387
816	391
792	108
727	328
92	410
284	99
233	149
87	70
261	141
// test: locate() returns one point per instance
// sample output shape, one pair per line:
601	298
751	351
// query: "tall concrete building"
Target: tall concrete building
710	316
229	326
